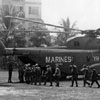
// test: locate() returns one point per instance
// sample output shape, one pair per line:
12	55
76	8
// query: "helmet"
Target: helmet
47	66
36	64
74	66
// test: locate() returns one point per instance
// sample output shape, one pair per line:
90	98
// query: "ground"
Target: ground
18	91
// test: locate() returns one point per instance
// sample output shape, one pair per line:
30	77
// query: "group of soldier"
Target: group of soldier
89	76
33	74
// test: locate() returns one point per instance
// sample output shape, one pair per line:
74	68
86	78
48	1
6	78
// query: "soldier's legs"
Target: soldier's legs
76	83
45	80
39	80
92	83
19	76
50	81
10	76
97	83
26	77
85	82
35	80
72	82
22	77
31	79
57	80
57	83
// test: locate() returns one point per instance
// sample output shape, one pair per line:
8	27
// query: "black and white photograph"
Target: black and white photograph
49	49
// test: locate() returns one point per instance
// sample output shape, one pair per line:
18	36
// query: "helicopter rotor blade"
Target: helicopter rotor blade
25	19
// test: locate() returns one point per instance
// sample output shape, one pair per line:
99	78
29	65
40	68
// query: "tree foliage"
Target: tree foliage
8	10
13	38
39	39
62	37
10	37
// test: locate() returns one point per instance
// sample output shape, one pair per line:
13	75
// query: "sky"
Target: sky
86	13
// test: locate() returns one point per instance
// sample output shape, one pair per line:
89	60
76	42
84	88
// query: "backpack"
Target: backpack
57	72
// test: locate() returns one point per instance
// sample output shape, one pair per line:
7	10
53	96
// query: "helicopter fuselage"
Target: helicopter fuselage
63	57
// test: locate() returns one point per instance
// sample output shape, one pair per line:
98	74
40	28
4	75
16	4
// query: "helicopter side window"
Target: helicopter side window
76	43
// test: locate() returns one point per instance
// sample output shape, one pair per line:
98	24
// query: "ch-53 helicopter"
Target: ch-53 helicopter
79	51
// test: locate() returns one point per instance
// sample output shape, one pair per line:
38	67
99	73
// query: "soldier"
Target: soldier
27	74
86	75
22	73
48	75
32	74
37	74
57	75
10	69
19	72
94	78
74	73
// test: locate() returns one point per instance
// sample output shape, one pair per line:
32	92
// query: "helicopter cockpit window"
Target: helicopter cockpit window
76	43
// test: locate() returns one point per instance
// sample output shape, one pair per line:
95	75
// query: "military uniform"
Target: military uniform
21	73
32	74
28	74
57	75
74	73
94	78
25	72
10	69
86	75
37	74
48	75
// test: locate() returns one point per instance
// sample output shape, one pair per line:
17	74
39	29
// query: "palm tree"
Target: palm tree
34	39
10	24
62	37
68	27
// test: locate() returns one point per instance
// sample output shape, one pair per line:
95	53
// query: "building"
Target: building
30	9
33	9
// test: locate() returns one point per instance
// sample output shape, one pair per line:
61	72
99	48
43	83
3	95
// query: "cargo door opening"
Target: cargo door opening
26	60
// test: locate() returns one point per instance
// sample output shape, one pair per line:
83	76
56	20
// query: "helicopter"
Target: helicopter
75	52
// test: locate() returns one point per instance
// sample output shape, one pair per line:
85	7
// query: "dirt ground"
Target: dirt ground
18	91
